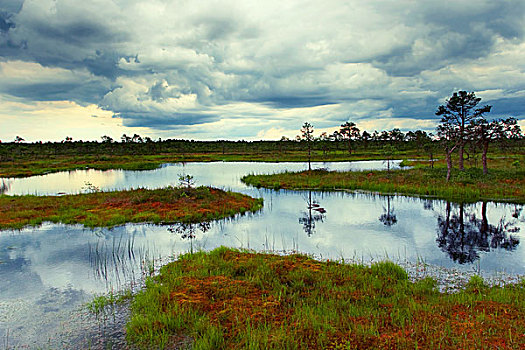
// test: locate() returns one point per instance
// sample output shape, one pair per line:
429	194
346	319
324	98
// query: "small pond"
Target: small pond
47	273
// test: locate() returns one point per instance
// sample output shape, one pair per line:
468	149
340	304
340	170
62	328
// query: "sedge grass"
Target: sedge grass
108	209
35	165
227	299
470	185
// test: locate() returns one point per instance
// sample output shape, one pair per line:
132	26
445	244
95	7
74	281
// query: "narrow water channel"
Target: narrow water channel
47	273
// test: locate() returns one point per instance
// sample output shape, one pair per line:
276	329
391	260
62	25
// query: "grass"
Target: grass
229	299
470	185
108	209
39	165
101	302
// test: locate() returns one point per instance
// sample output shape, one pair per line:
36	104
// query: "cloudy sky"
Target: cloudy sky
250	69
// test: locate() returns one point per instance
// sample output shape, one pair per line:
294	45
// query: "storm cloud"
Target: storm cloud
191	66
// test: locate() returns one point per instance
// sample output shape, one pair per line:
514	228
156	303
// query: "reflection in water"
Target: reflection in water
461	234
115	260
388	218
428	204
516	213
90	262
314	212
4	186
188	230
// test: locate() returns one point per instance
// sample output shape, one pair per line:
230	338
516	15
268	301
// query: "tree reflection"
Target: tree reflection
516	213
462	234
188	230
4	187
388	218
314	212
428	204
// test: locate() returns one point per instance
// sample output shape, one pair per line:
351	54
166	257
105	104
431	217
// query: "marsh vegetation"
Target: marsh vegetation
236	299
112	208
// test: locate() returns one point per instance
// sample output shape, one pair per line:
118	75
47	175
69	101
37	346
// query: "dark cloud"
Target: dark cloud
451	33
161	64
80	34
103	64
11	6
215	28
167	121
506	107
295	101
81	93
5	23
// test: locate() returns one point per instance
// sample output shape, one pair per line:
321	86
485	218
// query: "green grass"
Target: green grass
39	164
229	299
470	185
108	209
99	303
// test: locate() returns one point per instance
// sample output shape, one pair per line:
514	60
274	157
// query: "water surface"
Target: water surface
48	272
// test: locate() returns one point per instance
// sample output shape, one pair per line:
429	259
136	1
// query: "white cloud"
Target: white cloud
168	65
38	121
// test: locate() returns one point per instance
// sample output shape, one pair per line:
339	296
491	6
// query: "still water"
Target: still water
47	273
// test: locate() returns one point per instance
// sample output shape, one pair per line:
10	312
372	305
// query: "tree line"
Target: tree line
463	129
462	124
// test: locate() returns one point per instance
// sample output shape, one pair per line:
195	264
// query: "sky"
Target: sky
251	70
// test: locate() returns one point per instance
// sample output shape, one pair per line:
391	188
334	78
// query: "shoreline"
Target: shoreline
108	327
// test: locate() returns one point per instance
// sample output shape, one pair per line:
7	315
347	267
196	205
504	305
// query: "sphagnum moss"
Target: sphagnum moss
228	299
107	209
471	185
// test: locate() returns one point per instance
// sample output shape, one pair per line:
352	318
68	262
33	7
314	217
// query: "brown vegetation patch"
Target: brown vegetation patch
115	208
294	301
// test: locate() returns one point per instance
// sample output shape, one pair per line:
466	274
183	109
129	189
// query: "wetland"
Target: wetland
52	270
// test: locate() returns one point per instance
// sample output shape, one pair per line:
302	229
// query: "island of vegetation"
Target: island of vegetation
108	209
463	130
230	299
503	184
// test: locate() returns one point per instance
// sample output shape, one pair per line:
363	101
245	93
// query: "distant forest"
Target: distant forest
358	142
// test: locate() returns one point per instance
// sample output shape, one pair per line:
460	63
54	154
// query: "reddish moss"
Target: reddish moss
115	208
317	305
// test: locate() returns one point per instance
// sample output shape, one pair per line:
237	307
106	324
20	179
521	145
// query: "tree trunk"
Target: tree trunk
448	215
484	222
349	146
309	157
460	158
484	157
449	163
462	227
448	152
